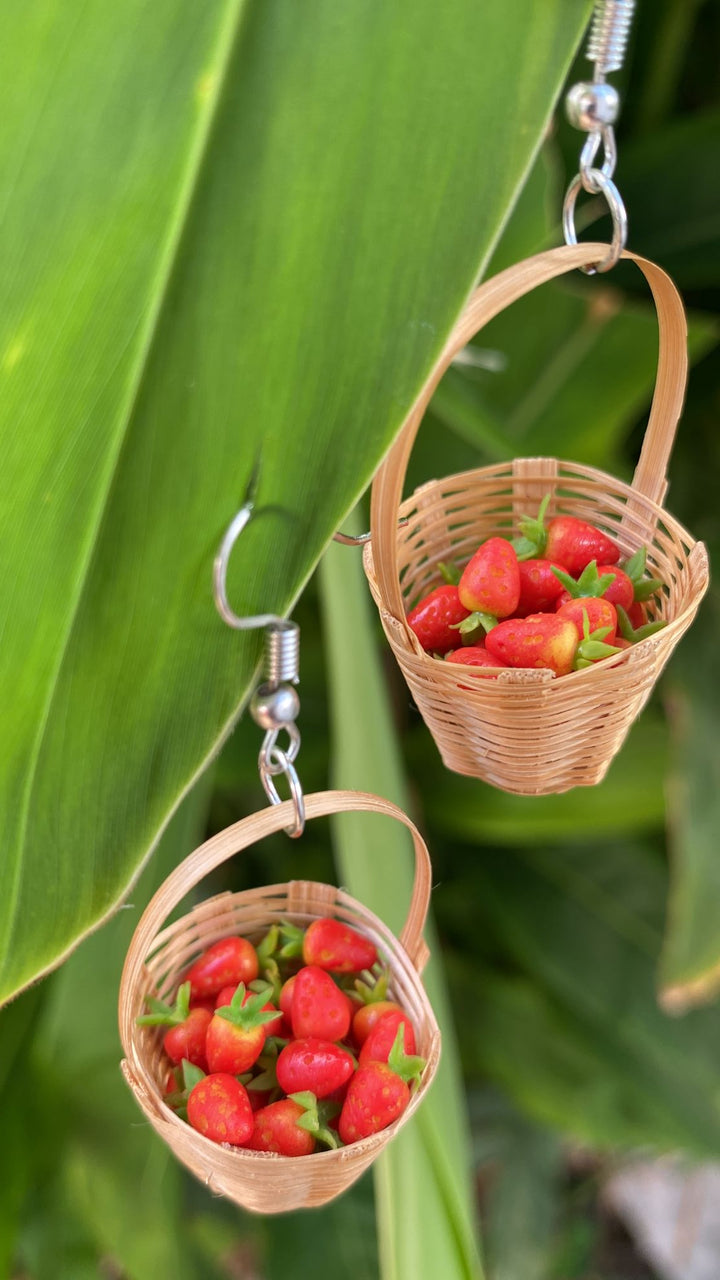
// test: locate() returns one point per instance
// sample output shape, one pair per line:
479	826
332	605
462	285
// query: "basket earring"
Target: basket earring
527	731
158	957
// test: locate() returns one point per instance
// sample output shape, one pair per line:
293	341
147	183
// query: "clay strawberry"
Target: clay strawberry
635	567
286	996
539	587
188	1027
380	1041
310	1063
319	1008
599	613
229	961
565	540
490	582
474	656
547	640
378	1093
277	1129
433	618
334	946
596	580
368	1015
540	640
186	1076
237	1032
219	1108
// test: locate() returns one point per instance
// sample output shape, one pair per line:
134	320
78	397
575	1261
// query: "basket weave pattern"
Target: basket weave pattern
156	961
527	731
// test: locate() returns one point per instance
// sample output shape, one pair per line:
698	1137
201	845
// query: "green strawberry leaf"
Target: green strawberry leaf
165	1015
647	588
192	1075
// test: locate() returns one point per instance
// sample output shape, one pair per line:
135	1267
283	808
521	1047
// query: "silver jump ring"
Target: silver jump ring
281	763
617	212
606	136
270	751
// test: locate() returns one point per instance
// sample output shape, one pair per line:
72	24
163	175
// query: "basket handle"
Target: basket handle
247	832
485	303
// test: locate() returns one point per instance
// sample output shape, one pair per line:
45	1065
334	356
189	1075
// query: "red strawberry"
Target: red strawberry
539	588
219	1108
237	1032
286	997
277	1129
188	1027
566	540
375	1098
382	1038
329	944
225	997
490	582
378	1093
433	618
549	640
575	543
231	960
621	590
319	1007
598	611
313	1064
474	655
540	640
367	1016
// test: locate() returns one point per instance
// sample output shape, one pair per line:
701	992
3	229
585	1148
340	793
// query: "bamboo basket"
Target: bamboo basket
157	958
527	731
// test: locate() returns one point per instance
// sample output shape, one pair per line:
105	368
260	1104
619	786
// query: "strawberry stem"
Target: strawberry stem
450	573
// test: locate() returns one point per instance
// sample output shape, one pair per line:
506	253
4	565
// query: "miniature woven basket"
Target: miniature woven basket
527	731
157	958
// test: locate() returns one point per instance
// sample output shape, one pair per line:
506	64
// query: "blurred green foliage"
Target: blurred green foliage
560	921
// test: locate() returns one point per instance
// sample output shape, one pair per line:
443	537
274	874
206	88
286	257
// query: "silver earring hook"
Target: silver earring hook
220	568
275	704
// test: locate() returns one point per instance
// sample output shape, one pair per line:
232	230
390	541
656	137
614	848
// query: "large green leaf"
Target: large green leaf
567	1018
576	368
102	1185
671	184
231	231
424	1200
690	967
